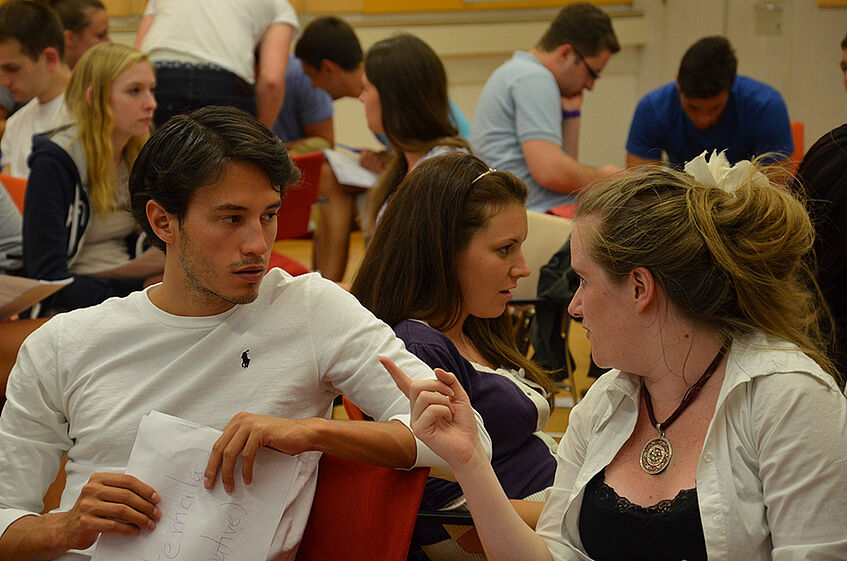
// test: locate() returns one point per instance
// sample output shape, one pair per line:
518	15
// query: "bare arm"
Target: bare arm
149	263
7	169
143	29
635	161
374	161
321	129
570	125
270	79
558	171
570	136
388	444
529	511
108	503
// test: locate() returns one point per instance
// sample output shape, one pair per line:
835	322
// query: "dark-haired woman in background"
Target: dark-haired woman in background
440	269
405	97
404	91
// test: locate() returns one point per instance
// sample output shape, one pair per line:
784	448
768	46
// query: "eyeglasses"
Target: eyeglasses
591	72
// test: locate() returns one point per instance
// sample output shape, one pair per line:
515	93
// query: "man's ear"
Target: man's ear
163	223
70	39
643	287
329	66
564	50
51	57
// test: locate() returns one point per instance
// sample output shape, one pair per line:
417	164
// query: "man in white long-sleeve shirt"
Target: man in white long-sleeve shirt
215	338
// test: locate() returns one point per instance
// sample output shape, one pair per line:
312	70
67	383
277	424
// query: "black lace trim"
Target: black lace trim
606	499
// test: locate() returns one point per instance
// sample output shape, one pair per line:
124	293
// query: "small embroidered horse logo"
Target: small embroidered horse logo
245	360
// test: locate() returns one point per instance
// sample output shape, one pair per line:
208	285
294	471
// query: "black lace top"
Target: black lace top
614	529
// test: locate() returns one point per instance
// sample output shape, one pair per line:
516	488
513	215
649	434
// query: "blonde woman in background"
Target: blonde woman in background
720	433
77	221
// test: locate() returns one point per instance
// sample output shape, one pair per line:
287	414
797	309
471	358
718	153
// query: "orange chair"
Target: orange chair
352	411
297	204
362	512
798	134
16	186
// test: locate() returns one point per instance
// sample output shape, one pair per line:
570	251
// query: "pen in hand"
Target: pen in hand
348	147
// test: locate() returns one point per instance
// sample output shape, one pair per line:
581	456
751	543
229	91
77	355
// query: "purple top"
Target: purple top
523	462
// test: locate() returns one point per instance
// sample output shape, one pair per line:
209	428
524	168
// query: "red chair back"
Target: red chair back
362	512
352	410
16	186
287	264
297	204
798	131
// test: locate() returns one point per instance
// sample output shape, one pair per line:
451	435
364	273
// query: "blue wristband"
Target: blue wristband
570	114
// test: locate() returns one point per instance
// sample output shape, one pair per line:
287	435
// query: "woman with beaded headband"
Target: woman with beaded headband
721	432
440	269
77	221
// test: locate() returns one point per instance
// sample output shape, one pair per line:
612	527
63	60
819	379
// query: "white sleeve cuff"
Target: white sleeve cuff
428	458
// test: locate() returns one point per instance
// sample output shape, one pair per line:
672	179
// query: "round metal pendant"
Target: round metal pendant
656	455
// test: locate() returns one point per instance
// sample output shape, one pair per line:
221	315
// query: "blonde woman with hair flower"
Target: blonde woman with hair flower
721	431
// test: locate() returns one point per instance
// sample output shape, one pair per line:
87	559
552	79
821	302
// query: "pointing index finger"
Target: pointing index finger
403	382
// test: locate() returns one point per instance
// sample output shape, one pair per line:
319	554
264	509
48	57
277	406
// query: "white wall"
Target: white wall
801	60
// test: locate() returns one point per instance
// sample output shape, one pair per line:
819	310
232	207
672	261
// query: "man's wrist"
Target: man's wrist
570	113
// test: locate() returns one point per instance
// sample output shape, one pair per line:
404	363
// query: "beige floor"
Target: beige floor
301	250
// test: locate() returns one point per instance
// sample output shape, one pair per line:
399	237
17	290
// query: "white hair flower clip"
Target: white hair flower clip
717	172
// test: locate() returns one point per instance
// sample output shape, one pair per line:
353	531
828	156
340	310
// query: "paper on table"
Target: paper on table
19	293
348	171
170	455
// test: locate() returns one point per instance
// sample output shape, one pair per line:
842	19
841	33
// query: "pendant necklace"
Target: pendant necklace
656	454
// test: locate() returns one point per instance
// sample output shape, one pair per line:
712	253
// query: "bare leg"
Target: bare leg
335	218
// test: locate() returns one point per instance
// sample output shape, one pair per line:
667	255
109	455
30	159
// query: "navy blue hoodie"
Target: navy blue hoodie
56	215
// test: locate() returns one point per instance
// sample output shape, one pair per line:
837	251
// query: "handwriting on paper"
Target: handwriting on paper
170	455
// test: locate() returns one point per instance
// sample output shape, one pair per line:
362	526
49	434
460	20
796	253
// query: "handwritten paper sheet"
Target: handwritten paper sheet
19	293
170	455
348	171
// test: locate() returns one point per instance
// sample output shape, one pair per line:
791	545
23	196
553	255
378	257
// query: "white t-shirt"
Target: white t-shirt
83	381
104	242
223	32
32	118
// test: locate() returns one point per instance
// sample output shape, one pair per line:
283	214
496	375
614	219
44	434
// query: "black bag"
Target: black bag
557	283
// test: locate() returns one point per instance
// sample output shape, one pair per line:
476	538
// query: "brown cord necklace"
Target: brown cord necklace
656	454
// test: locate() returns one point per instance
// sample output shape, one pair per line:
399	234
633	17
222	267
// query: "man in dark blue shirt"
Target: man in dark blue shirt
709	108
